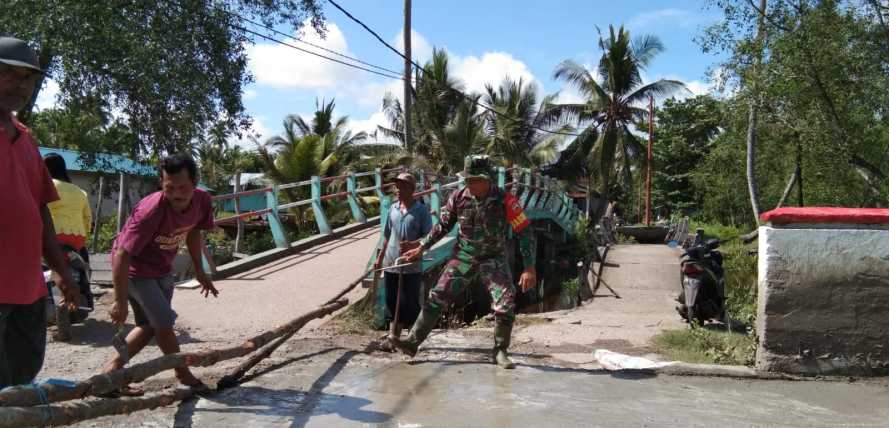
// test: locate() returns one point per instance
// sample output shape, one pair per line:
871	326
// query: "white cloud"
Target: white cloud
698	87
491	68
370	124
48	96
371	94
671	17
421	50
284	67
249	93
257	130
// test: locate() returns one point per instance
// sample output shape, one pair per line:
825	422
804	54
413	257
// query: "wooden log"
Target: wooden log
232	378
104	383
69	413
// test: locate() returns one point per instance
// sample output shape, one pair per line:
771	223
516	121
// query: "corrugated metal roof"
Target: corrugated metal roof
105	162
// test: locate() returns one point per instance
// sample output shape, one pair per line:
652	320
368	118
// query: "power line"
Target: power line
420	69
388	73
272	39
374	33
273	30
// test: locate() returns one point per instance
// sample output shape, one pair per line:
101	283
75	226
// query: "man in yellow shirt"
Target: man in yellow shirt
71	214
72	218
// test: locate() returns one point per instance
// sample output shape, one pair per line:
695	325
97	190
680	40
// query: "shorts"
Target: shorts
151	299
22	342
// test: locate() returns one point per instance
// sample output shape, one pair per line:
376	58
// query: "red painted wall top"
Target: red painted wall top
809	215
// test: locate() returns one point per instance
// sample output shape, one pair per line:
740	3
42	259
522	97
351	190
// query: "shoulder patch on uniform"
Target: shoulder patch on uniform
515	215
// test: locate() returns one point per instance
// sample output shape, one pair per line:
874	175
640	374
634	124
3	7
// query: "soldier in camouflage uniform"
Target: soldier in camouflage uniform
480	208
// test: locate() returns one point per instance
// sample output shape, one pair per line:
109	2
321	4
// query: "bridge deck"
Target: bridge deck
276	292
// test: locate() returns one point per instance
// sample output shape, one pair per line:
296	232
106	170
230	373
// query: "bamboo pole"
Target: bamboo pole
104	383
69	413
121	201
97	213
239	237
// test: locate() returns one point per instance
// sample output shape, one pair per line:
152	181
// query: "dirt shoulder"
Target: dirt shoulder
647	282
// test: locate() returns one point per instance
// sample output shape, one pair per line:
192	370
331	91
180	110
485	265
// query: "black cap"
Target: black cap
17	53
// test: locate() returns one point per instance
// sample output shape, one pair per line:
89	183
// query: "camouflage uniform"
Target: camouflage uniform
479	256
480	252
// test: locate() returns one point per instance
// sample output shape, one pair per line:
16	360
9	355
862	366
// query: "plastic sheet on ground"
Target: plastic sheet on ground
614	361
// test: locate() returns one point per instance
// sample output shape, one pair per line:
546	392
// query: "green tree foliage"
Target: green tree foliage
306	149
86	128
172	67
824	91
683	137
447	125
515	130
220	161
613	103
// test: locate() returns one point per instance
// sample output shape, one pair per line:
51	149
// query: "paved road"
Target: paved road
647	281
315	382
270	295
339	388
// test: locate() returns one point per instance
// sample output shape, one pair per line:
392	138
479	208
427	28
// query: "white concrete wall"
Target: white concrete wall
138	188
823	301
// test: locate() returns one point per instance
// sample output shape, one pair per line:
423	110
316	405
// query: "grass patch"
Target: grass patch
715	230
700	345
358	318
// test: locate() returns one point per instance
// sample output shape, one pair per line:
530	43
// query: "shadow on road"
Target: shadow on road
301	405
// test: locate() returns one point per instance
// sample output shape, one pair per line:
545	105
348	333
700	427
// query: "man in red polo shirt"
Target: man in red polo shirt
26	228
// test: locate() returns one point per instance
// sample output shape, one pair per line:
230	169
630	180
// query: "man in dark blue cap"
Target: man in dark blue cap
26	227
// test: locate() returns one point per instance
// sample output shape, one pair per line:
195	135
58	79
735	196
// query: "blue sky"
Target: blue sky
486	39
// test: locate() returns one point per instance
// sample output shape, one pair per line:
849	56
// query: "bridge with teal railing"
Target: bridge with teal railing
543	198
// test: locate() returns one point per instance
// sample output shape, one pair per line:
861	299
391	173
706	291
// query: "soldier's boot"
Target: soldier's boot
424	324
502	335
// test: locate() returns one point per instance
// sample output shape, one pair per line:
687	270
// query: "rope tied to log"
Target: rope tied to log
46	413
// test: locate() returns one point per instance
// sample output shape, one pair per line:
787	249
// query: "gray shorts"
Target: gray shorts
151	299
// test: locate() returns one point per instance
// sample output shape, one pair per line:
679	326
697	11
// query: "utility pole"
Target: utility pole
648	169
408	145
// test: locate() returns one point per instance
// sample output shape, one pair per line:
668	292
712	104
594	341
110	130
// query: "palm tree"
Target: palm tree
304	149
613	103
516	122
465	133
438	111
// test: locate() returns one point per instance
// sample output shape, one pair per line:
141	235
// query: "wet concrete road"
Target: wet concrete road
335	388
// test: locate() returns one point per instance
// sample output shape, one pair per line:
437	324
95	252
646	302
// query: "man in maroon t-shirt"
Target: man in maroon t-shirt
142	260
26	227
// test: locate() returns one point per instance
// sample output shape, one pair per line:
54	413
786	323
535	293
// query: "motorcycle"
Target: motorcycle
702	293
80	271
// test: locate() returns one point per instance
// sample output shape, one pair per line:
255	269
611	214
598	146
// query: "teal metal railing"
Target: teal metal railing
541	197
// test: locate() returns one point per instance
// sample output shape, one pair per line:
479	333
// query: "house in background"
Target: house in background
249	181
141	178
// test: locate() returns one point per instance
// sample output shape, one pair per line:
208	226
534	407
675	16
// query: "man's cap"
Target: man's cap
407	178
476	166
17	53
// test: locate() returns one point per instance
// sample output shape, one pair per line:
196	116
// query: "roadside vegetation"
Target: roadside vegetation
722	345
